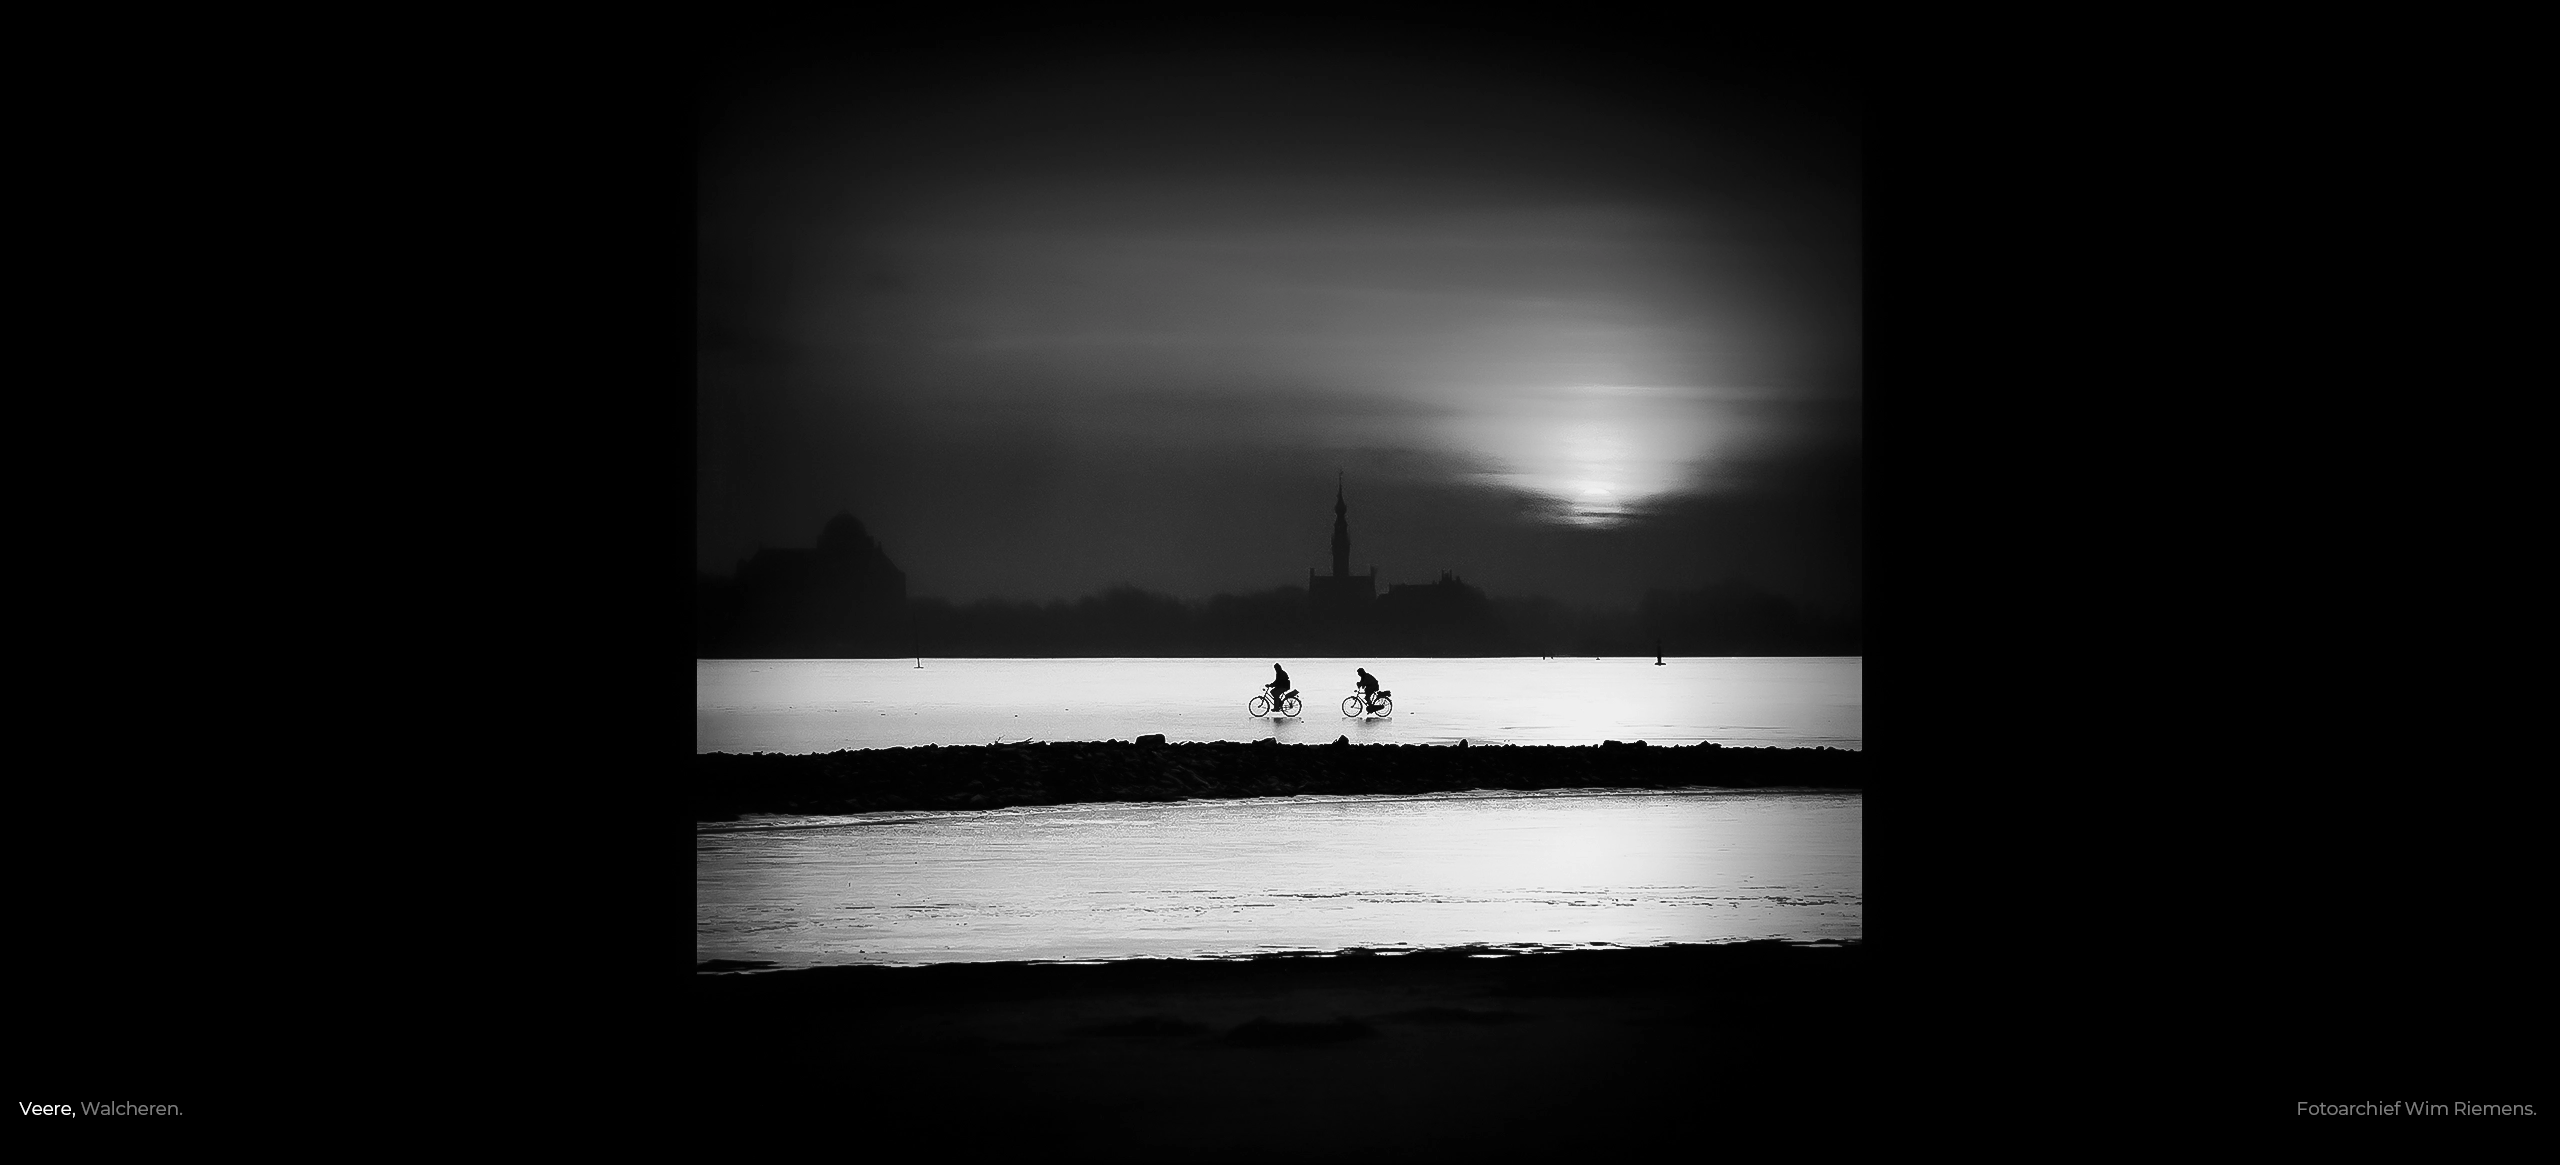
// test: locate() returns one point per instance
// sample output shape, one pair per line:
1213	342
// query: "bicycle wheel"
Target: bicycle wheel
1351	705
1290	706
1258	705
1385	705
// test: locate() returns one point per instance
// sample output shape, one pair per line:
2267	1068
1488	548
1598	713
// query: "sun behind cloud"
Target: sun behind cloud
1598	454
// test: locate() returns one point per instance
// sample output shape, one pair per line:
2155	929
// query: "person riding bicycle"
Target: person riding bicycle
1368	689
1279	685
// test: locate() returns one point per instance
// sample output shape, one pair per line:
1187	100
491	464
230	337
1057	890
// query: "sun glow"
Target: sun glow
1598	453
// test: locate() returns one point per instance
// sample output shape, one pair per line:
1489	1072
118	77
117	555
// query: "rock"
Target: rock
727	786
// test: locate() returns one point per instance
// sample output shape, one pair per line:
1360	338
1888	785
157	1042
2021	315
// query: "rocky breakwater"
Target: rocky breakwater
726	785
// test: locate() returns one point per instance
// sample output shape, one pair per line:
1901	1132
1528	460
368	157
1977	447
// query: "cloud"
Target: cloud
1122	316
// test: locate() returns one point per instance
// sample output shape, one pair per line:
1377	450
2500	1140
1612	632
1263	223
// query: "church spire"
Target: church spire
1341	532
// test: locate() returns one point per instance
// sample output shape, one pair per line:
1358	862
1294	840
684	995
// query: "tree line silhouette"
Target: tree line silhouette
845	599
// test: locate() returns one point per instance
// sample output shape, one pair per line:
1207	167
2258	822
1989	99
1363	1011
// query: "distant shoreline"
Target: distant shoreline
993	776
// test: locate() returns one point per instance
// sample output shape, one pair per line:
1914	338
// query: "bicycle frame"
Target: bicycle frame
1361	704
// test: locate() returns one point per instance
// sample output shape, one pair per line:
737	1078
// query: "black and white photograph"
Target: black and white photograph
1287	593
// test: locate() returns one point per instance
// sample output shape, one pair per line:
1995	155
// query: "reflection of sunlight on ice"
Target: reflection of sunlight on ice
1228	878
824	705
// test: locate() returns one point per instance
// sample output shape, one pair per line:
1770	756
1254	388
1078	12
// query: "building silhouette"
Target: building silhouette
1341	593
842	597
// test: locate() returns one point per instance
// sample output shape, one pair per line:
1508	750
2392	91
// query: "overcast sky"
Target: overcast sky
1077	309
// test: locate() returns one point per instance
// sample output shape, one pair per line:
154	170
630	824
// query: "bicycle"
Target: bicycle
1261	705
1352	705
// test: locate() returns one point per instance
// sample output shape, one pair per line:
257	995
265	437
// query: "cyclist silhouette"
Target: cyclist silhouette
1368	689
1279	685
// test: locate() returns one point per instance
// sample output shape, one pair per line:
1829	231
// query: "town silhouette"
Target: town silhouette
845	598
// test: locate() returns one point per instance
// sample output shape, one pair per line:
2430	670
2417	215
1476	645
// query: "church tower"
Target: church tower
1341	592
1341	533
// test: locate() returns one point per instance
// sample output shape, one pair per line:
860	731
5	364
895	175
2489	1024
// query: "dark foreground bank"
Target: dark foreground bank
993	776
1428	1056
